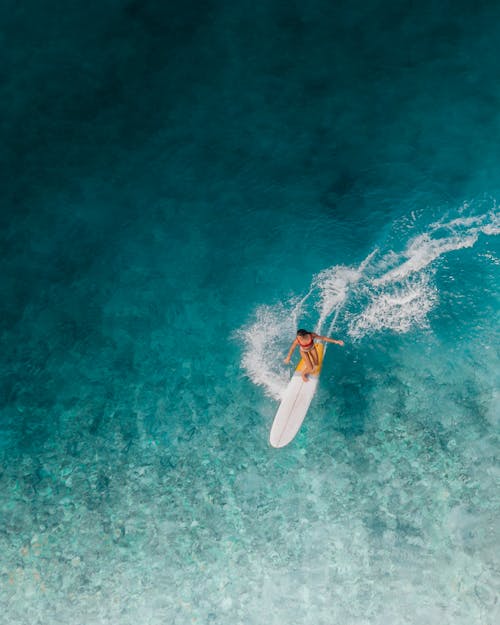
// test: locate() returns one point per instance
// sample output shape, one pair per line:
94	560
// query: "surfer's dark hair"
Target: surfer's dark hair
303	332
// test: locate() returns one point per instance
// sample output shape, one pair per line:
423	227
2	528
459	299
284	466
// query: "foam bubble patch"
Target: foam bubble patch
399	309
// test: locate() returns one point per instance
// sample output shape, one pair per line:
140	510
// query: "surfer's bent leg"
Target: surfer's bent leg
308	365
314	357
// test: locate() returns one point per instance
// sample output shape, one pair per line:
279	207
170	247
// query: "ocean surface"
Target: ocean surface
182	186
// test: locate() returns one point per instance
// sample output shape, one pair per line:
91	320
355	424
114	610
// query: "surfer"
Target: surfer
305	341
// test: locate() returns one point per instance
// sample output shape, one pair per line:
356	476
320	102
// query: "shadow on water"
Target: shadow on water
343	185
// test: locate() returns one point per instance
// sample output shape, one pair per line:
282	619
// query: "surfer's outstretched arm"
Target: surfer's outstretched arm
328	340
291	350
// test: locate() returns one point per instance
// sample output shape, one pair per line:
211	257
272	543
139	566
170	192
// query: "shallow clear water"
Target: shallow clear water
180	191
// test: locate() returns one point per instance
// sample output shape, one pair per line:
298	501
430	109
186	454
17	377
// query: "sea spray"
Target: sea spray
403	293
333	286
398	309
264	341
389	291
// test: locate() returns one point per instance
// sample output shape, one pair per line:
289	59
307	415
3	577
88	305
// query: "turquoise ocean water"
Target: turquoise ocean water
181	189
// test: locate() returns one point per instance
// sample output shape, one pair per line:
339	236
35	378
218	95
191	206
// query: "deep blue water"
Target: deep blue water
181	188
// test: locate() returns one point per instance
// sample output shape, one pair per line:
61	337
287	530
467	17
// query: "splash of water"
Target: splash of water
264	336
440	238
399	309
393	291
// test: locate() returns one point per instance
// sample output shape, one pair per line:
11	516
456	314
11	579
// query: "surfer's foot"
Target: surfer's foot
305	378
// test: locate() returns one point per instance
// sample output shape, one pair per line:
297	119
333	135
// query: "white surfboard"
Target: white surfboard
295	403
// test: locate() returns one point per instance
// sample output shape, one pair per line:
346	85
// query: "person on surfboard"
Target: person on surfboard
305	341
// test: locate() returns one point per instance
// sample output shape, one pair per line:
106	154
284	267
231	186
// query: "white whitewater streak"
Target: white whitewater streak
297	309
493	226
333	286
403	295
421	252
263	340
440	239
393	291
398	310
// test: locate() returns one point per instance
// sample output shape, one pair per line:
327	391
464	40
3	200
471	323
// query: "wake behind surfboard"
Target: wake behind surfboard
295	403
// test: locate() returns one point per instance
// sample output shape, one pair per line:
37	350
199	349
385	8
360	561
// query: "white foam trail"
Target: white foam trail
297	309
423	249
421	252
333	285
493	226
402	296
264	344
268	337
393	291
398	309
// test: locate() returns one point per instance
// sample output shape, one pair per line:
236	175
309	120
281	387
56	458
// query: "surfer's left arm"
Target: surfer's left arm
328	340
